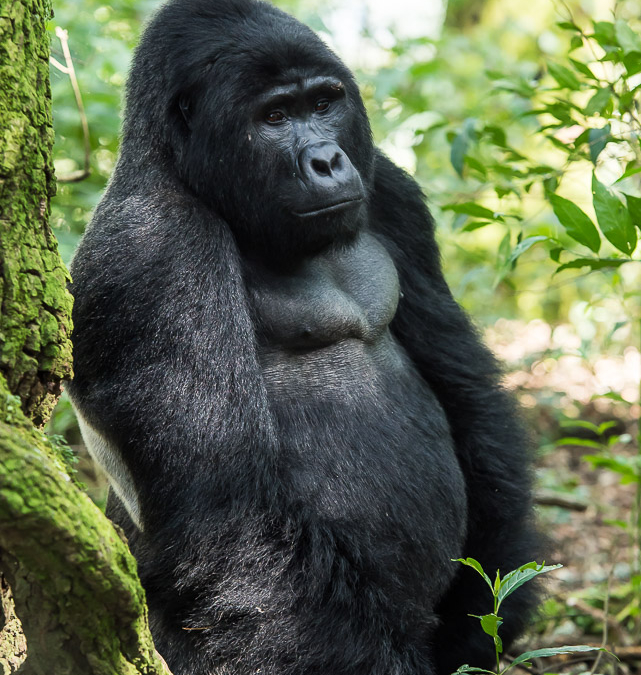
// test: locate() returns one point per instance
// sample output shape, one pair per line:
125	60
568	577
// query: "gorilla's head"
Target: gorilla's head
257	117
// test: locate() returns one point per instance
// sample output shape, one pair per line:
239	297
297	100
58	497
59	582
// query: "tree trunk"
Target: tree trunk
74	581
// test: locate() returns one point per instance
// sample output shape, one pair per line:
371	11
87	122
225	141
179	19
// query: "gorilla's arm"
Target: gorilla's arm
167	372
490	443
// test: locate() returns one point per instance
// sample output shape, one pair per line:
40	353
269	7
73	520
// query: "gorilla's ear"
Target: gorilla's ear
184	105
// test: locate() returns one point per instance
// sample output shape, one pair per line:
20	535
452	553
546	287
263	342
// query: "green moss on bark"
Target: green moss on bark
74	580
35	315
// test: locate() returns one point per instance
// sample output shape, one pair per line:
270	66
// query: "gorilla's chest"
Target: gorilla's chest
351	293
324	324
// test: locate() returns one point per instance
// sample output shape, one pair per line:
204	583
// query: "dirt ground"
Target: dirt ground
597	551
591	600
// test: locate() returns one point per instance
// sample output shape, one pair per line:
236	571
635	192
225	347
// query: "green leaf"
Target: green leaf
581	424
474	225
553	651
499	644
626	37
579	442
630	170
604	34
634	208
458	151
471	669
592	263
490	623
626	102
576	42
473	209
598	139
626	467
583	68
503	255
564	76
617	523
577	224
523	246
614	219
461	143
520	576
611	395
502	191
476	565
475	164
561	111
604	426
513	155
581	138
495	135
599	101
519	86
568	25
632	63
617	326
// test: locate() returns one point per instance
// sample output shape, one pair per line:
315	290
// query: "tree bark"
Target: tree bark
73	578
35	321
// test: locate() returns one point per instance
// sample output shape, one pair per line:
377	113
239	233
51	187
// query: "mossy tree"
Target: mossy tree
73	579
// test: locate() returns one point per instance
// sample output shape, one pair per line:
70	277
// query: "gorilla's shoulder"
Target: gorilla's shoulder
391	179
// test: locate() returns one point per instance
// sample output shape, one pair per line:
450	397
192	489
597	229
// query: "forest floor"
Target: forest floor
591	600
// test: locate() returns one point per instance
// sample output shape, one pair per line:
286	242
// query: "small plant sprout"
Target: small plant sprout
501	588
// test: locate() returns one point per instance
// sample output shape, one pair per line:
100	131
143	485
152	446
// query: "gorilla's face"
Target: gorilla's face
300	124
286	160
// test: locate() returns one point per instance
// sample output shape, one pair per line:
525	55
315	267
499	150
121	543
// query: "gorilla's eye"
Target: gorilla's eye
275	117
321	105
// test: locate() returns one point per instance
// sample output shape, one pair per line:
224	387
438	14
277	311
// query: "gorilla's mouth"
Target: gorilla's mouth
332	208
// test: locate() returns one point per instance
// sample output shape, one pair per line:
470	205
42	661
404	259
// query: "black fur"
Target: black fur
311	426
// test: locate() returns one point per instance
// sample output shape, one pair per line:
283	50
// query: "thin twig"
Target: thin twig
614	627
606	622
68	69
522	666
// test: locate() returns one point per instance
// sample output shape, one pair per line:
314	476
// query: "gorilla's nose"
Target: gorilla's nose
325	160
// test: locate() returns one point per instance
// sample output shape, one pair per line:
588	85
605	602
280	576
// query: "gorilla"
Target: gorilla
300	426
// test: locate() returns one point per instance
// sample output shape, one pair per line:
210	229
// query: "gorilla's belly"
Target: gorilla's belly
369	453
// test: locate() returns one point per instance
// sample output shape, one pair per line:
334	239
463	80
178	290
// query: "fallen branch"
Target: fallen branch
551	498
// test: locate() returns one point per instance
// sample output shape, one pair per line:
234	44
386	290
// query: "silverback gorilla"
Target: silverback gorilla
300	425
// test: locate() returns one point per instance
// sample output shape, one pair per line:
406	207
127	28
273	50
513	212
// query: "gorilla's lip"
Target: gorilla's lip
332	208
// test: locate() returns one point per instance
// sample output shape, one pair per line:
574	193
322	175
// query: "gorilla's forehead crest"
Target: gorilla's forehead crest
226	52
247	33
247	44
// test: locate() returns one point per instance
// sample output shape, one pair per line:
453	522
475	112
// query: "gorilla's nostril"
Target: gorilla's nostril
321	166
337	162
